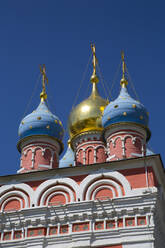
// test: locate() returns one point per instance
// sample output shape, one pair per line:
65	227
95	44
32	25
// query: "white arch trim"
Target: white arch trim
53	189
57	193
18	188
102	182
88	147
100	146
112	175
133	138
11	199
52	182
79	150
103	187
17	194
124	137
26	151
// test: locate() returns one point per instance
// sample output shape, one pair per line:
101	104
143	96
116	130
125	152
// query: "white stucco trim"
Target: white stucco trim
103	187
15	193
17	190
132	129
112	175
10	199
53	182
57	193
46	141
102	182
54	189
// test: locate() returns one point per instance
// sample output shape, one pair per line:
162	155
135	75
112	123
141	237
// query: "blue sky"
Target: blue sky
58	34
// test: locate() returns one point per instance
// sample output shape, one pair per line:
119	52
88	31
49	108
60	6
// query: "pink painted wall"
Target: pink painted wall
87	151
40	157
128	148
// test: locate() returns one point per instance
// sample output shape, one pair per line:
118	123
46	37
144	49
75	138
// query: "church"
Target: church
107	191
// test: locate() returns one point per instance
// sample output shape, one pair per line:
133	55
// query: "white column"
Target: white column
58	229
70	228
47	231
12	234
2	235
123	147
25	232
52	159
136	220
32	159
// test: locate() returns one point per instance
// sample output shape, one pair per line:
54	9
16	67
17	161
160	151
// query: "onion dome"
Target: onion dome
86	116
41	122
68	158
125	109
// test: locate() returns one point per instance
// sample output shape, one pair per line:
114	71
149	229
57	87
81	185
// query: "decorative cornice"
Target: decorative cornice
38	138
123	125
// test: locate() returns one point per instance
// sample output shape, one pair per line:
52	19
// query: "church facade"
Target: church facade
107	191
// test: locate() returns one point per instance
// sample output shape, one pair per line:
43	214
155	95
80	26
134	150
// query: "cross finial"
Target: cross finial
43	94
123	81
123	65
94	78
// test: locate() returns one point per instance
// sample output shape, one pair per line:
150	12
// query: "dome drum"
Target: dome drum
44	139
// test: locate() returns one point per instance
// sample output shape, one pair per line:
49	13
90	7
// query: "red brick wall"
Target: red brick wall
12	205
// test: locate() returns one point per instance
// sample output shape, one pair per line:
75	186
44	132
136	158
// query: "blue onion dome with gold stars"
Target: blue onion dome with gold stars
41	122
68	159
86	116
125	109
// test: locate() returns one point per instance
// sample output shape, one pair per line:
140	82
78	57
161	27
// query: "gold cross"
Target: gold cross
94	78
123	81
123	65
94	58
43	94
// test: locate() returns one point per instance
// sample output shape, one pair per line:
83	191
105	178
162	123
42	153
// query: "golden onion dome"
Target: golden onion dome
87	115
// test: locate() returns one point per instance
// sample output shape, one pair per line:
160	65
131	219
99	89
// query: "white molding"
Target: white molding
101	182
10	199
97	176
42	140
15	193
47	192
95	142
52	182
17	189
123	135
94	147
34	147
112	156
131	128
103	187
57	193
84	137
48	166
137	154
